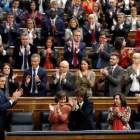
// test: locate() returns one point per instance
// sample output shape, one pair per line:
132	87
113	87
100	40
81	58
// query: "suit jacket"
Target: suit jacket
47	31
68	55
53	59
88	35
1	15
24	5
81	19
83	117
14	34
117	32
4	59
67	86
105	54
18	18
113	81
105	6
128	81
42	74
19	59
139	109
44	4
60	14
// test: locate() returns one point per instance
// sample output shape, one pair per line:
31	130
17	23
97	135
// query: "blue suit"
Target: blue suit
42	74
68	55
88	35
46	30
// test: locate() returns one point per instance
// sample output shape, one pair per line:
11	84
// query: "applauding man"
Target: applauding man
62	80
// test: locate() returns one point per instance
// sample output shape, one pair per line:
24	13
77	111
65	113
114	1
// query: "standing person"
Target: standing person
60	113
34	79
5	103
112	76
10	83
82	111
119	114
85	77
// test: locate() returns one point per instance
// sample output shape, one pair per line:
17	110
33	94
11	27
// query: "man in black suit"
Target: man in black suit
5	103
120	28
112	76
22	53
4	53
34	79
100	52
77	12
62	79
60	13
10	31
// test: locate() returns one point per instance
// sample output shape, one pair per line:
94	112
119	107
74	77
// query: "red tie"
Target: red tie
53	30
75	58
93	36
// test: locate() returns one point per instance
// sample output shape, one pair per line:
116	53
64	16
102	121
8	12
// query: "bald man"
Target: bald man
62	79
132	79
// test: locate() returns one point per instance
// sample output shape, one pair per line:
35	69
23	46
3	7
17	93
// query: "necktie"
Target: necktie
61	85
111	71
98	66
9	36
25	58
75	58
34	82
53	29
93	36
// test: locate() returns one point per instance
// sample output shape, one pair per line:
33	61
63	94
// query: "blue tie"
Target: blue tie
61	85
25	58
98	66
34	82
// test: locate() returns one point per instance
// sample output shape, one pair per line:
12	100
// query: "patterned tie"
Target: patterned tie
93	36
34	82
25	58
75	58
53	30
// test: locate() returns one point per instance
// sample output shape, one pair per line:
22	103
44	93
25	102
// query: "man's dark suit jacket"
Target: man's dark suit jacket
68	55
4	59
19	59
113	81
81	20
15	33
120	33
88	36
105	54
82	119
67	86
42	74
106	6
60	14
47	31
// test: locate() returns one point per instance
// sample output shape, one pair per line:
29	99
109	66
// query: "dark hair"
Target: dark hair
122	98
87	60
30	11
59	95
103	33
1	75
81	92
115	54
9	14
14	1
118	43
11	69
52	40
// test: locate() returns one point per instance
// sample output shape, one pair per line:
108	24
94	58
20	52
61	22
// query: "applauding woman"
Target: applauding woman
10	84
119	114
59	114
85	77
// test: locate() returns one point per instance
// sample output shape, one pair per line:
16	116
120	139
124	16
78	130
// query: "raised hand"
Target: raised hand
49	50
37	78
114	22
98	25
70	44
14	76
134	67
116	111
80	13
74	12
110	13
21	50
16	95
138	97
80	74
28	49
63	76
28	78
57	75
51	108
7	26
1	49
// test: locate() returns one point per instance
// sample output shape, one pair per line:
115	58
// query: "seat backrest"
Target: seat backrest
21	121
104	115
135	116
100	89
94	116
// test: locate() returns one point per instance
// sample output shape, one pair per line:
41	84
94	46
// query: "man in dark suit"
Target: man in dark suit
74	50
62	80
100	52
53	27
16	11
120	28
77	12
22	53
111	13
112	76
91	31
105	5
34	79
60	13
5	103
10	31
4	53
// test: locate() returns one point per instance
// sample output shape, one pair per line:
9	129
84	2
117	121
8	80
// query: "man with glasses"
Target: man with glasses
132	79
100	52
62	80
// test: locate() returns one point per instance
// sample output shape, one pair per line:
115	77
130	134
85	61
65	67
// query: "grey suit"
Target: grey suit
105	55
113	82
1	15
67	86
129	21
128	81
